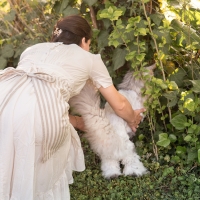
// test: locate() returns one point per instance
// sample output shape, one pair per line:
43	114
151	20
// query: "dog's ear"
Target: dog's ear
152	67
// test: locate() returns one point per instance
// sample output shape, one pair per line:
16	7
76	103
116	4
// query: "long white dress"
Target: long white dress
39	148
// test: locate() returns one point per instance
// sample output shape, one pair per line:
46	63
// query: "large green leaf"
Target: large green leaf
10	16
3	62
178	76
90	2
164	141
172	138
157	18
196	86
103	39
180	150
187	138
172	97
119	58
7	51
70	11
179	121
63	5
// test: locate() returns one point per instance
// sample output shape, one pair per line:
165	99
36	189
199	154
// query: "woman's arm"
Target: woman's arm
122	107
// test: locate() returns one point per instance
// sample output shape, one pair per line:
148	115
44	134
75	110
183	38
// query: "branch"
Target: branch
12	5
93	17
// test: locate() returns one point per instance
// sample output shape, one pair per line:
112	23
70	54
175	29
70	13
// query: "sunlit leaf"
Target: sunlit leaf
130	55
140	57
189	33
187	138
142	31
180	150
172	85
163	140
189	104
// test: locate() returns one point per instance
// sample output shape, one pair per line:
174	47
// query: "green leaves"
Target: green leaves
190	34
199	155
7	51
3	62
180	150
10	16
179	122
196	86
103	39
90	2
70	11
119	58
163	141
113	13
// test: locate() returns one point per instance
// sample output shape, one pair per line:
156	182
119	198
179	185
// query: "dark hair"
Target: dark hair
74	28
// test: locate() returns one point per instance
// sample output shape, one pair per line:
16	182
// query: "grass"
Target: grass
165	182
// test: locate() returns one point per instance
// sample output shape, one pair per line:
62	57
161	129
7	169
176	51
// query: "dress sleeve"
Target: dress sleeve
99	73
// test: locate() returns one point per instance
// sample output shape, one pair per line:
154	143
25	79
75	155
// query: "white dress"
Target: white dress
39	148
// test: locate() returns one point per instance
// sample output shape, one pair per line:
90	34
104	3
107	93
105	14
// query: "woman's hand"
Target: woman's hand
134	124
77	122
122	106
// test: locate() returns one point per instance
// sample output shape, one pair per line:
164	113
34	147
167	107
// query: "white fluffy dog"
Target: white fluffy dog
108	134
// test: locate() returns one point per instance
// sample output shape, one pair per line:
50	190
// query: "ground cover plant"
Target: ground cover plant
130	35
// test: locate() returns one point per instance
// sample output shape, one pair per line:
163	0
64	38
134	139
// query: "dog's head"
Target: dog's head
130	82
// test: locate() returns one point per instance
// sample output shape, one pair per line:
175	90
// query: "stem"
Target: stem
93	17
158	53
9	24
155	149
12	5
156	46
162	116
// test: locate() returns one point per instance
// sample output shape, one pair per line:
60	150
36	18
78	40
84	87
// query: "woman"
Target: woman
39	147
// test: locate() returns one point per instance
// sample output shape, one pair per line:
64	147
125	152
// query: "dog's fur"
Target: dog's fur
107	133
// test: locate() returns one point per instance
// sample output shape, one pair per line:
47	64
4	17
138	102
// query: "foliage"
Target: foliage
163	182
130	35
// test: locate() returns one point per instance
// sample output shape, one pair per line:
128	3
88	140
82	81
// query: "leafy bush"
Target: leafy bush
130	35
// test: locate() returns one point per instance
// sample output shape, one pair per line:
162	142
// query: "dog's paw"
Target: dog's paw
111	174
136	169
114	176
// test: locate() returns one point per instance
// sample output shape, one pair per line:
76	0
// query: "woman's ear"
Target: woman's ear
82	42
85	45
